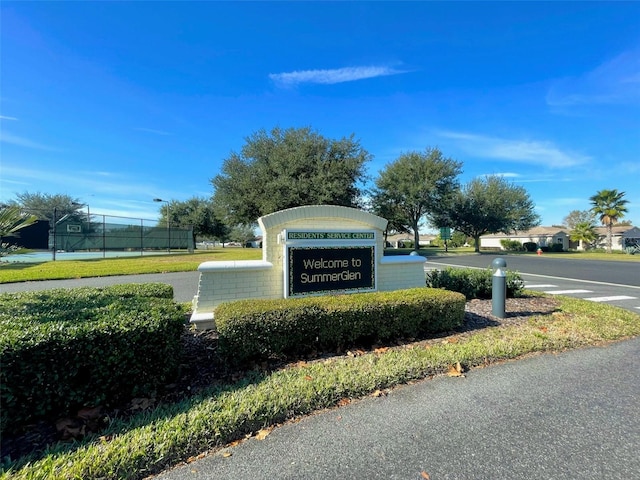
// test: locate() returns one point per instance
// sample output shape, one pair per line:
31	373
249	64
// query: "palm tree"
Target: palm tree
13	219
609	206
583	232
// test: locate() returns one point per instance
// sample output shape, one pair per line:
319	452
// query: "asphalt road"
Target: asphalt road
623	273
569	416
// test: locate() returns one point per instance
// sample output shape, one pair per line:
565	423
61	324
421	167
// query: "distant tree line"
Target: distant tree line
285	168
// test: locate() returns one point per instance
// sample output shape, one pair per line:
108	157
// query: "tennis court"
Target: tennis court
39	257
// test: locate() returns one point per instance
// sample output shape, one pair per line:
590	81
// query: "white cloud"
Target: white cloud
629	167
523	151
616	81
151	130
23	142
55	180
4	117
327	77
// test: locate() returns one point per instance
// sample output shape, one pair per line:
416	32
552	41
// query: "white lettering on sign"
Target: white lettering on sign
322	263
330	277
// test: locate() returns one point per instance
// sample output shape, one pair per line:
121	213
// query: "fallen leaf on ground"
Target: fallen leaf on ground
455	370
262	434
344	401
378	393
425	475
381	349
226	454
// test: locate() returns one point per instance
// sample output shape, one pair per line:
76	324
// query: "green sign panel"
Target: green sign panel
445	233
330	235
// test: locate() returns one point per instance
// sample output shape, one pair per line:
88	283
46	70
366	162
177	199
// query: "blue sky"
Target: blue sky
117	103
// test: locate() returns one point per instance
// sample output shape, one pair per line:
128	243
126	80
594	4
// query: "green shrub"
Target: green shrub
557	247
153	290
67	348
254	329
511	245
530	246
473	283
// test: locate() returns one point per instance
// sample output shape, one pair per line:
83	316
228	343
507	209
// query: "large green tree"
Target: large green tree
396	222
491	205
576	217
416	187
45	205
289	168
197	212
609	206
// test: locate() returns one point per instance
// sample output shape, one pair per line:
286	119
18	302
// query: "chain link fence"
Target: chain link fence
111	233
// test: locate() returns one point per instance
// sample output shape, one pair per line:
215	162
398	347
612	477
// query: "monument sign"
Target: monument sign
308	250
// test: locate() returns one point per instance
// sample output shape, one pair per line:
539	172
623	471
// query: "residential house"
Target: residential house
541	236
399	240
623	236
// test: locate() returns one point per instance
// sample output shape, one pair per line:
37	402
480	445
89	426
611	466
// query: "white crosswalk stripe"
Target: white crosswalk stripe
567	292
613	298
548	288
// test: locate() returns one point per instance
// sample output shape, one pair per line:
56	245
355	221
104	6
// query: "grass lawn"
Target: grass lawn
177	262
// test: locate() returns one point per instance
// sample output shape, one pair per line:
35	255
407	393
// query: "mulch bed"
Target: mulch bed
201	368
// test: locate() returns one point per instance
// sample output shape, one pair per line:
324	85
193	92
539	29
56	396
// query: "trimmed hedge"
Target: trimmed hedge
512	245
259	329
473	283
64	349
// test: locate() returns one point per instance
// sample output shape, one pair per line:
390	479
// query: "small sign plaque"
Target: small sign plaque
311	235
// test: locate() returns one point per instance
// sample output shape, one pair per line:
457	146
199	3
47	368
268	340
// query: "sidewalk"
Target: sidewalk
567	416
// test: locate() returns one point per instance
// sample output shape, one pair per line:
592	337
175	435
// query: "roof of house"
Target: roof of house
408	236
616	229
533	232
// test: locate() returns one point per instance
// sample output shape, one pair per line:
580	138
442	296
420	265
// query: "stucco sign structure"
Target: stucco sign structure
310	250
